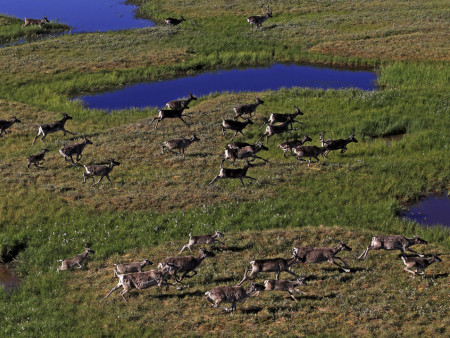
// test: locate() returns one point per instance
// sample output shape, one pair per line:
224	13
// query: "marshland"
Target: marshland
155	200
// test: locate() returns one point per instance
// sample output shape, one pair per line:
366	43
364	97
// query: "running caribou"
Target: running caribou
247	108
239	173
74	149
395	242
179	143
288	146
231	294
319	255
182	103
37	159
75	261
277	265
258	20
53	127
99	170
203	239
418	263
4	124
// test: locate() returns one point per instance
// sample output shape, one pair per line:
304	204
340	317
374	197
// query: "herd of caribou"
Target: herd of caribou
276	124
131	275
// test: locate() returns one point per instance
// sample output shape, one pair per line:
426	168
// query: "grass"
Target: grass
11	30
376	298
155	200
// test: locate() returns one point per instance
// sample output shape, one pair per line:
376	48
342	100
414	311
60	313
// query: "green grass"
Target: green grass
156	200
376	298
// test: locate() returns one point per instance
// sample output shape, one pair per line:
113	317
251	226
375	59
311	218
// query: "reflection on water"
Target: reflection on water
81	15
277	76
7	279
432	210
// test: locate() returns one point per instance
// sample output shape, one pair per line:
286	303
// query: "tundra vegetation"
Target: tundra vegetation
155	201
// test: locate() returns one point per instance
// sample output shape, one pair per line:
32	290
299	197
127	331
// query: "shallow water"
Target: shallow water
432	210
81	15
274	77
7	279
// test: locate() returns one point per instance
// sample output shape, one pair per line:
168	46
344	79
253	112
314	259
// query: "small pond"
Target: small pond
156	94
431	210
8	280
81	15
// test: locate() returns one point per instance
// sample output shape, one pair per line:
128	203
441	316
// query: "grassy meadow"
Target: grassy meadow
155	200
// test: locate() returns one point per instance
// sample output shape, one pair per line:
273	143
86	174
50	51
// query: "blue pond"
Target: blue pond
433	210
156	94
81	15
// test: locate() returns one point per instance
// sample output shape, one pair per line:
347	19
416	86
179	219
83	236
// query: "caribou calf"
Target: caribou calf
74	149
234	173
203	239
277	265
179	143
319	255
284	285
130	267
4	124
75	261
99	170
418	263
395	242
288	146
231	294
37	159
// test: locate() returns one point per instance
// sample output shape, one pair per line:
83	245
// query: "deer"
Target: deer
4	124
53	127
258	20
285	285
244	153
336	144
393	242
203	239
280	118
142	280
179	143
231	294
418	263
169	114
288	146
99	170
74	149
309	151
276	129
247	108
185	264
319	255
235	126
173	21
239	173
75	261
39	22
130	267
37	159
277	265
181	104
